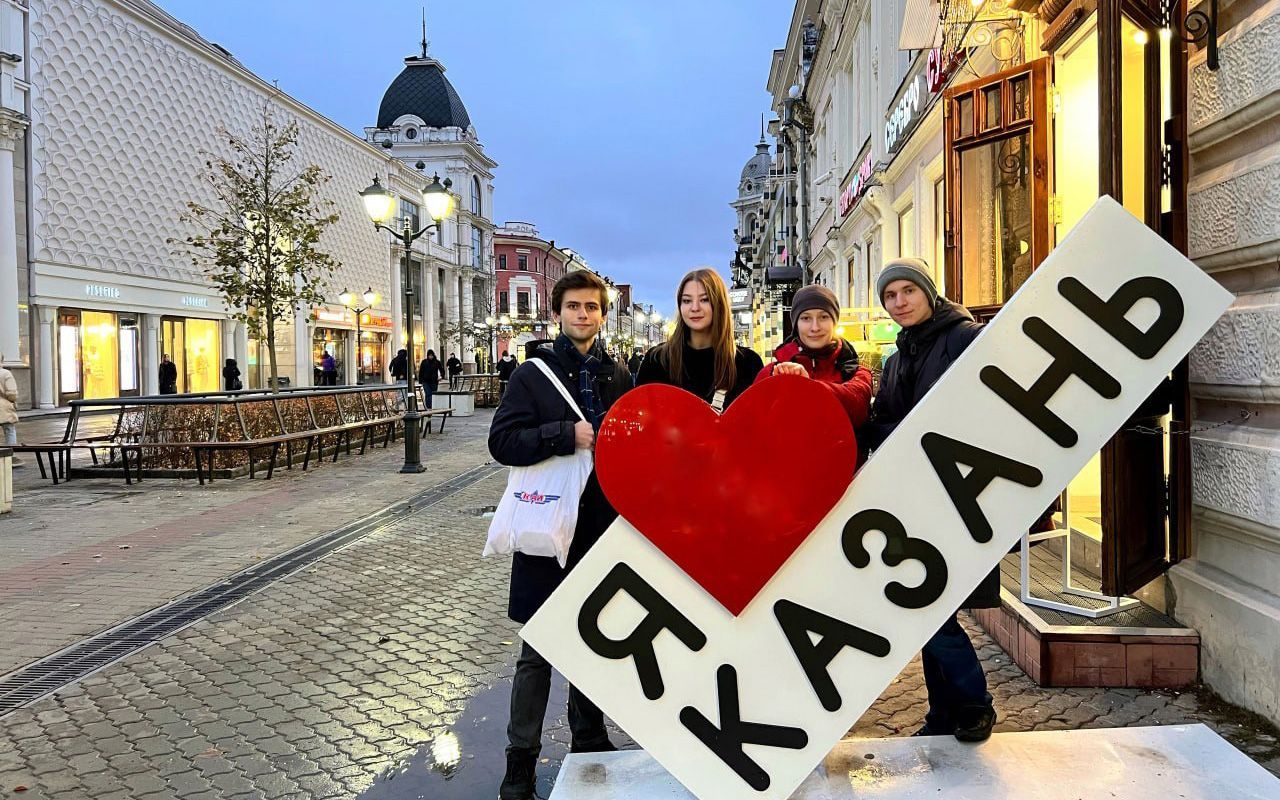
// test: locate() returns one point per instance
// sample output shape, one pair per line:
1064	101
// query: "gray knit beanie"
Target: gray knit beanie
915	270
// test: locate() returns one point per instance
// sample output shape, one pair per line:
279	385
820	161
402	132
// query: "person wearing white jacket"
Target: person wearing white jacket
8	408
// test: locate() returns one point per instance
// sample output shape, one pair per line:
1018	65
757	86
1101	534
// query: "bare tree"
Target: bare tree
259	243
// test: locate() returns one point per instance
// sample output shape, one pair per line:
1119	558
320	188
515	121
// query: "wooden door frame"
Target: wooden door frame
1037	125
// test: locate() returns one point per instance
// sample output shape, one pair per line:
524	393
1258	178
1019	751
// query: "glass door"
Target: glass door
173	341
69	379
129	349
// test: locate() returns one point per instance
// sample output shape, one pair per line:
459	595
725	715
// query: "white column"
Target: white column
151	354
47	361
240	347
228	349
429	321
468	319
450	313
303	367
397	307
11	129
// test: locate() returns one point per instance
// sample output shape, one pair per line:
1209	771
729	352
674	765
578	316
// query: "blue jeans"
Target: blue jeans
10	433
952	675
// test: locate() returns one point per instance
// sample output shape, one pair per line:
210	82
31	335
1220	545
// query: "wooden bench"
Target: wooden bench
174	433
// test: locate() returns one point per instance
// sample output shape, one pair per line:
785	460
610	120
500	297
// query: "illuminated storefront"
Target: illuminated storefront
193	346
98	354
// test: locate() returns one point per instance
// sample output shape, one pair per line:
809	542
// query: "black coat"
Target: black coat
532	424
430	371
506	366
699	372
399	367
168	377
925	352
455	366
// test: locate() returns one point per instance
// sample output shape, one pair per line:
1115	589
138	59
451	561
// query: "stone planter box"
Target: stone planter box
462	403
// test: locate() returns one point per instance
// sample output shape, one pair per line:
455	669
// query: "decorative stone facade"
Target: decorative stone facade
1229	590
126	104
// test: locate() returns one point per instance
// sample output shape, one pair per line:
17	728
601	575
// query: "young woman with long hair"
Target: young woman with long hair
700	357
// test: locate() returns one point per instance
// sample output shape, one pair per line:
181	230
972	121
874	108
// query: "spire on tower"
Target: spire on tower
424	32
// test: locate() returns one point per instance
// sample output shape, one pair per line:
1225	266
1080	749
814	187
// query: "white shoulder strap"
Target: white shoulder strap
551	376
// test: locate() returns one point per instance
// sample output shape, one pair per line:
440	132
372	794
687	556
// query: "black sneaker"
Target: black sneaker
974	723
517	784
603	746
927	730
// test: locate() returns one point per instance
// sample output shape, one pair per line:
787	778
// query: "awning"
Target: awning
921	25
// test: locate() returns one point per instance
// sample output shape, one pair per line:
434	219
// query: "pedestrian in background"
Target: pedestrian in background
231	376
533	424
506	367
168	376
814	350
455	370
935	331
430	371
328	369
701	357
9	408
399	366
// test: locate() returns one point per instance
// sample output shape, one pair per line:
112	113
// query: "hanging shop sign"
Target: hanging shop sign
928	77
858	185
739	681
740	298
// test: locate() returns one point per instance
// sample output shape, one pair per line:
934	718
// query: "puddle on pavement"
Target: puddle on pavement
467	760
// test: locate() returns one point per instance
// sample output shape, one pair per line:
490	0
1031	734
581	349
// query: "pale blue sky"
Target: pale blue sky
620	128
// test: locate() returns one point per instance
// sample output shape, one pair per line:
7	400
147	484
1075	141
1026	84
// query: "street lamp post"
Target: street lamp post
348	301
380	203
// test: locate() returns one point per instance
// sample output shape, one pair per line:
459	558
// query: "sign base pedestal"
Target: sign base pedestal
1187	761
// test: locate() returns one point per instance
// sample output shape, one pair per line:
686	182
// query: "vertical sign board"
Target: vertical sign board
747	706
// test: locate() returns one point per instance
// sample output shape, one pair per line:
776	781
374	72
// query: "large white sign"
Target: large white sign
746	706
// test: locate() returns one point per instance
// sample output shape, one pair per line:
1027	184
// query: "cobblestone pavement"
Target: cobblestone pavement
380	672
82	556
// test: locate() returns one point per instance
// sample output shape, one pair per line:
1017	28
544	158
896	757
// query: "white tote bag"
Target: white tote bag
539	510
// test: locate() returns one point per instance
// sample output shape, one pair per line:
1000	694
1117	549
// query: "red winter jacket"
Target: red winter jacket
837	369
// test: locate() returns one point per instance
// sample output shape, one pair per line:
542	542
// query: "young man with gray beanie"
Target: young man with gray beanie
935	331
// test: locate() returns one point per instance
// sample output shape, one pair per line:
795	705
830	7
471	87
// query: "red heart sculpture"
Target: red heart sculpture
727	497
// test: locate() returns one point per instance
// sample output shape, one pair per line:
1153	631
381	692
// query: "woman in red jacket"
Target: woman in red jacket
815	351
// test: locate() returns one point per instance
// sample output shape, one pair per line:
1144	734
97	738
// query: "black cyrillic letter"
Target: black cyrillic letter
727	740
797	621
638	645
1110	314
899	547
945	454
1067	361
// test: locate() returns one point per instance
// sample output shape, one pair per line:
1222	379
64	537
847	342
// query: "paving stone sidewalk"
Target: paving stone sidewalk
382	668
82	556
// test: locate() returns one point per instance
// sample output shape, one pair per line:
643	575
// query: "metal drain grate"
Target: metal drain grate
78	661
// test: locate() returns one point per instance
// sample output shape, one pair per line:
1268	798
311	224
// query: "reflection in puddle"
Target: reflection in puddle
466	761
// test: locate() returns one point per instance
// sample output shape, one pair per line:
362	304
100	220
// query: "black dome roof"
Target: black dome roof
423	90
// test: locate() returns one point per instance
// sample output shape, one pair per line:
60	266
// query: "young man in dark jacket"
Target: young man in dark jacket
533	424
935	331
506	368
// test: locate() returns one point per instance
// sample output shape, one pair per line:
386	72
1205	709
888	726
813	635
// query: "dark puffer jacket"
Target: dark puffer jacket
925	352
533	424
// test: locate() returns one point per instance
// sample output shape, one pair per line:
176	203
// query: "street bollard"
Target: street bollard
6	480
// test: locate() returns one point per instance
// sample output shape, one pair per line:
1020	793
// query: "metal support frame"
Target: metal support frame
1113	604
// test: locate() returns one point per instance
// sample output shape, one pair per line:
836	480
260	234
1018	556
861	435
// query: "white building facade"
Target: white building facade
110	117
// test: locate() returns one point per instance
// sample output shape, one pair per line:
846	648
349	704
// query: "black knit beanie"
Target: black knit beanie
814	297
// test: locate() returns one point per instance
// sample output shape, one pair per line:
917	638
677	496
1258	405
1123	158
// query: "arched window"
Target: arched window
476	205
